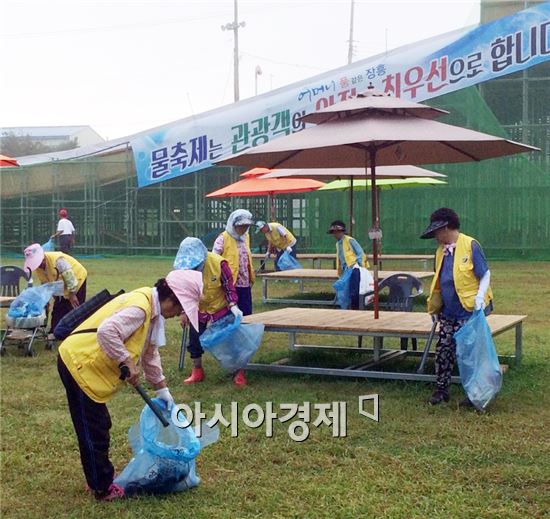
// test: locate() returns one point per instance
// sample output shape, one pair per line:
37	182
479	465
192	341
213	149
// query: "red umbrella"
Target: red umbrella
253	185
6	161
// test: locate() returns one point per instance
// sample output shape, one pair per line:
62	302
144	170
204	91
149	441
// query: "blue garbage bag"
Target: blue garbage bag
31	302
288	262
231	343
164	457
478	361
49	246
343	296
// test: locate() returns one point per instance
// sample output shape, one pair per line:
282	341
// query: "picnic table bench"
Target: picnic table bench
293	321
316	259
331	275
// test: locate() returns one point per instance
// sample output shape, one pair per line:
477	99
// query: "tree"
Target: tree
19	146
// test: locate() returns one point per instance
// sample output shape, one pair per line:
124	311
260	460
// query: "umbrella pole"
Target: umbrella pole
375	225
351	206
271	203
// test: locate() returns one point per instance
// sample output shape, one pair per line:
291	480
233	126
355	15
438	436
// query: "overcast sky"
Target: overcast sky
122	66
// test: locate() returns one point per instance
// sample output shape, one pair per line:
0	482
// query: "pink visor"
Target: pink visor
187	285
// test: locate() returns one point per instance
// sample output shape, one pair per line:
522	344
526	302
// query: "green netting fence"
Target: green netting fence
504	203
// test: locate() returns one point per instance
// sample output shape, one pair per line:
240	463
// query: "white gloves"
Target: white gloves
289	250
237	312
164	394
479	301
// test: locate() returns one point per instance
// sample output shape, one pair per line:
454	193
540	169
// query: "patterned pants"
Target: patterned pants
445	351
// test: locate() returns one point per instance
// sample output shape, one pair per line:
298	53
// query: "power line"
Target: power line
282	62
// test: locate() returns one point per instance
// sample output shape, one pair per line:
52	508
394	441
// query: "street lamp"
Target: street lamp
257	72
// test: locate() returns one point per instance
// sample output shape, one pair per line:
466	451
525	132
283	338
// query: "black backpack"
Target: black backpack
78	315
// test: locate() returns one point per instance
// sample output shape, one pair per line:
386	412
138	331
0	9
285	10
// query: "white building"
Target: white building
56	135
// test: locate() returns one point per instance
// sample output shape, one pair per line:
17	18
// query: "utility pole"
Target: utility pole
350	47
234	26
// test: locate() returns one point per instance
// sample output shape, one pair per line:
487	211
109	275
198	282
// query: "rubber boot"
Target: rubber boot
239	378
197	375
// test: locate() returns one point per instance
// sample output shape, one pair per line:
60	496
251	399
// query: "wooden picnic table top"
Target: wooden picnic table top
414	323
331	274
332	256
6	301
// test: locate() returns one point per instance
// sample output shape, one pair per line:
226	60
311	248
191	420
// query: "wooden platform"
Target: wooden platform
332	275
316	259
6	301
328	275
360	324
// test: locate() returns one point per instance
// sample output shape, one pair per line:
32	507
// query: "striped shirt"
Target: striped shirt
117	329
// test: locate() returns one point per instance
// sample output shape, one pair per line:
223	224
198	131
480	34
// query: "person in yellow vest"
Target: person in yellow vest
55	266
127	331
279	240
219	298
461	285
349	255
234	245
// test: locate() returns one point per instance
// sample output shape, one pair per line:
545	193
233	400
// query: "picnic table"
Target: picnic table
356	323
6	301
316	259
331	275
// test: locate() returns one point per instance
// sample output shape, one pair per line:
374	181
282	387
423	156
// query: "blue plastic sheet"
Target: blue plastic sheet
164	457
288	262
49	246
478	361
31	302
231	343
343	296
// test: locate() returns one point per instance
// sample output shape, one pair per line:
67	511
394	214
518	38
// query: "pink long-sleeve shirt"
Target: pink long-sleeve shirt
243	277
117	329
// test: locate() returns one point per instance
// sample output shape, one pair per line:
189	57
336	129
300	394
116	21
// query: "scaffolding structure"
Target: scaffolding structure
110	213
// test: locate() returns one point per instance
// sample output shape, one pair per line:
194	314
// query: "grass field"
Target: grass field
417	461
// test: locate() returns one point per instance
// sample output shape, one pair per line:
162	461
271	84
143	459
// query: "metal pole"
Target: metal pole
236	53
375	223
351	206
350	47
234	26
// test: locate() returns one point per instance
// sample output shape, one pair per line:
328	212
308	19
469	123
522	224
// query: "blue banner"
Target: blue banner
419	71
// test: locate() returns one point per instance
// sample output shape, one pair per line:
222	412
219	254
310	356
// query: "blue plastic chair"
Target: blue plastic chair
10	281
401	290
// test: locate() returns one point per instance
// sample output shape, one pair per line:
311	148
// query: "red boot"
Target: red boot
239	378
197	375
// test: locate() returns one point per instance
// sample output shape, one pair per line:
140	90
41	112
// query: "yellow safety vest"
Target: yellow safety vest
96	373
466	282
281	242
231	254
213	294
51	273
349	255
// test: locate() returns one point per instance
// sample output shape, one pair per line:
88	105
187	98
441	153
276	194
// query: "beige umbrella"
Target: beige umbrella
389	173
382	172
367	133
